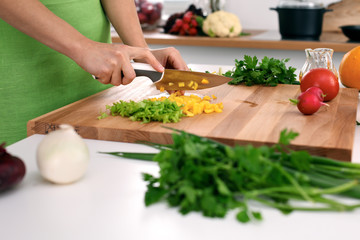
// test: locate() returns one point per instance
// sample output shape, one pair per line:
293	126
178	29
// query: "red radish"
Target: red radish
179	22
317	91
308	103
186	26
192	31
187	16
194	23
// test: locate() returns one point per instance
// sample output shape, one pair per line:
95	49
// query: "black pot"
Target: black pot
300	23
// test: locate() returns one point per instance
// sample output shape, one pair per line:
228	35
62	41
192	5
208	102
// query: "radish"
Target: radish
310	101
317	91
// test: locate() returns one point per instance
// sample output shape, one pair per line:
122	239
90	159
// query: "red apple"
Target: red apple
155	16
147	8
142	17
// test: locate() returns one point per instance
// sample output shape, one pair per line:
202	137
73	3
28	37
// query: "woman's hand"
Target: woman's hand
170	58
110	63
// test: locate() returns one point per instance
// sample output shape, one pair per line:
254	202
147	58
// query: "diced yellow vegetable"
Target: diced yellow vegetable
213	96
189	114
195	86
209	109
162	89
170	83
205	81
217	108
193	105
191	83
207	98
181	84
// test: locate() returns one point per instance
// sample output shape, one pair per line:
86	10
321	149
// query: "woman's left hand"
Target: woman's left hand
170	58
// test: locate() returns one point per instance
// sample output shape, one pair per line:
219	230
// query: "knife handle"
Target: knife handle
146	70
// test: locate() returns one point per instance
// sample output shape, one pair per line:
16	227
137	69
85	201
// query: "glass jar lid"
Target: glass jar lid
300	4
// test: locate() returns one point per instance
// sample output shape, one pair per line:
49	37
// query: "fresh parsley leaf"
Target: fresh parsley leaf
154	194
198	174
269	71
243	216
286	136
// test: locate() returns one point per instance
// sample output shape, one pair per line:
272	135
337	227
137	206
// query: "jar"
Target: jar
318	58
149	13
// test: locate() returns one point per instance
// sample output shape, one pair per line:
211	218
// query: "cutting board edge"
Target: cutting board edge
126	135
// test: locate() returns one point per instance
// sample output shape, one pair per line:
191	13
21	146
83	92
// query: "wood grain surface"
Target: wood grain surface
253	115
346	12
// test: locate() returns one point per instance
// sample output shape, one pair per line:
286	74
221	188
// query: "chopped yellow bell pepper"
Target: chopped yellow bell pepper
207	98
193	105
181	84
205	81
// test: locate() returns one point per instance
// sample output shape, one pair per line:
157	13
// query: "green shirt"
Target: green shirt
34	79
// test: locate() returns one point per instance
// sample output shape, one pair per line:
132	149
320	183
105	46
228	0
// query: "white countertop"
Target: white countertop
108	203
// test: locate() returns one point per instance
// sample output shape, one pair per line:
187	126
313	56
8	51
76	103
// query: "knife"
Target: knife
172	79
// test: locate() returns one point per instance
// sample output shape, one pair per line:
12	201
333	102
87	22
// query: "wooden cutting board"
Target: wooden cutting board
253	115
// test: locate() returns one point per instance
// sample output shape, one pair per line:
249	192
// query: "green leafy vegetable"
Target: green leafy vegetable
202	175
269	71
146	111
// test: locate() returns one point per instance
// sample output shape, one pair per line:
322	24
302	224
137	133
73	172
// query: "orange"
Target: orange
349	69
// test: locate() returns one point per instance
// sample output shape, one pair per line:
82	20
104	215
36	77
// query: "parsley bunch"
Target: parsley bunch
147	110
269	71
202	175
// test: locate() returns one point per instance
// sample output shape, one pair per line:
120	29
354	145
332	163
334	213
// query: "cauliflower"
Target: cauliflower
222	24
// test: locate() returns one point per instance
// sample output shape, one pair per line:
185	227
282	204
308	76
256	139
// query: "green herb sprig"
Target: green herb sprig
146	111
202	175
269	72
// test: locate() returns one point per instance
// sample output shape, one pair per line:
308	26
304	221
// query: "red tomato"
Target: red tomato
323	79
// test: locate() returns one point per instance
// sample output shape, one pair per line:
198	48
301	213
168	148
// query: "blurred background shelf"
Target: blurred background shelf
260	39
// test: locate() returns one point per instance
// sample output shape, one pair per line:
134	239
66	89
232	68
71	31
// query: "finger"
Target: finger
175	61
116	77
128	73
104	77
145	54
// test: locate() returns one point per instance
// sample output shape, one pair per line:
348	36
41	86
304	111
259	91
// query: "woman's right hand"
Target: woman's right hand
110	63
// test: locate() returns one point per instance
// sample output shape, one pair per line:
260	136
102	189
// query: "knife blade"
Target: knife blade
172	79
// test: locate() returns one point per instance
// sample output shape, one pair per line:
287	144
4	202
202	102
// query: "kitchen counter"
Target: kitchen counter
259	39
108	203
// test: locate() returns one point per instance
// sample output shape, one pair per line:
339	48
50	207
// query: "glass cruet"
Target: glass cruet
318	58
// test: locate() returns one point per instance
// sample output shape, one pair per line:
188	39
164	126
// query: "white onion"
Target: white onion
62	156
